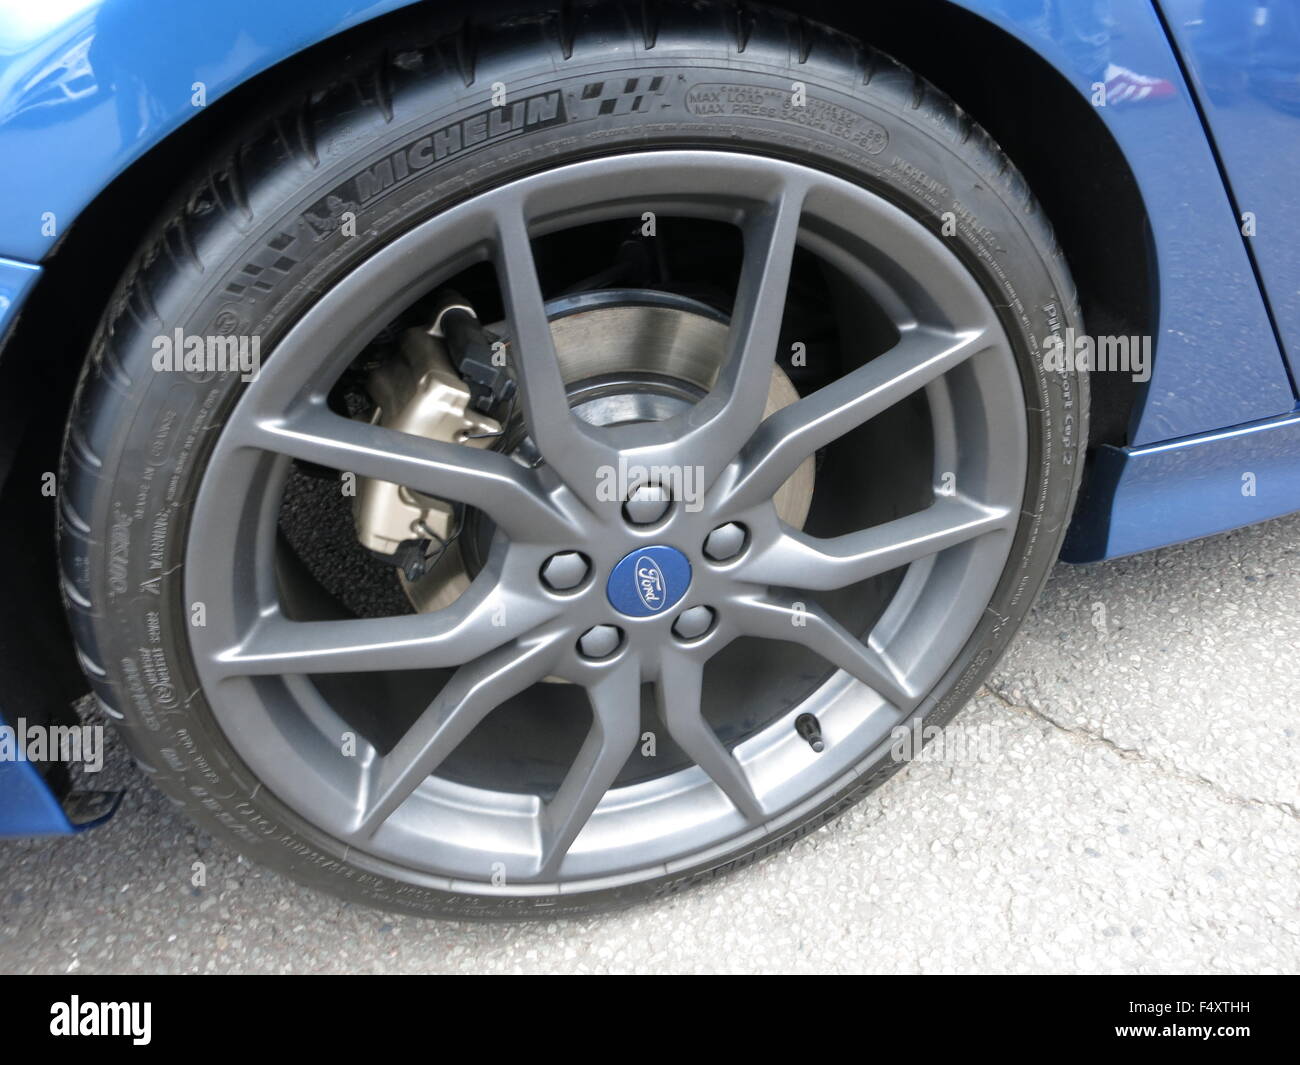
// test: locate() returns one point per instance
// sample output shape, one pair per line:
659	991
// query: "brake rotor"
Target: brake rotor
628	356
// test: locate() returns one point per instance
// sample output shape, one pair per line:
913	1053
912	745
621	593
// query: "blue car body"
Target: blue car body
89	88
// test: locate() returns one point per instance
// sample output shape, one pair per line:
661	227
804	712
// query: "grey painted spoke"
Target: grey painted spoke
799	561
489	480
792	434
727	417
810	626
678	693
477	622
473	692
563	440
615	729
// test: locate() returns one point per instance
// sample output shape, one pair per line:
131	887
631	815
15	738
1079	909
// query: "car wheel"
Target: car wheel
548	466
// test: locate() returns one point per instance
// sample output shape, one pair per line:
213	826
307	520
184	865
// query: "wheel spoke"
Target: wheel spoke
510	494
728	416
679	693
483	618
473	692
615	729
793	433
795	560
810	626
564	441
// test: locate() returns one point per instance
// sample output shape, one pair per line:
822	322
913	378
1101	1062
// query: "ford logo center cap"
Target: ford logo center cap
648	581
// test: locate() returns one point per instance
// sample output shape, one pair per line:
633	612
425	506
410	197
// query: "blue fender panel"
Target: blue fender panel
88	86
16	280
27	805
30	807
1136	499
1217	361
1244	58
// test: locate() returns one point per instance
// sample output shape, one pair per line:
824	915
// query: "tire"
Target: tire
253	240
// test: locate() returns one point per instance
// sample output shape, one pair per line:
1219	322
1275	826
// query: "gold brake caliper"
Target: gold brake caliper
418	392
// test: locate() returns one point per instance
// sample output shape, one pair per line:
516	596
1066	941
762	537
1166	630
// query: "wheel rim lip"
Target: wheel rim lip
684	797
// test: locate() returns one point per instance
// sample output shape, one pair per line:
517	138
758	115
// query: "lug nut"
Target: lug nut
600	641
646	504
693	623
565	571
726	541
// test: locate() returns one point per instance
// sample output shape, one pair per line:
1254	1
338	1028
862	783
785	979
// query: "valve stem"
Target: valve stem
810	729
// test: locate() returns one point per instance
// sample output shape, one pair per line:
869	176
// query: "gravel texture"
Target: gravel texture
1127	800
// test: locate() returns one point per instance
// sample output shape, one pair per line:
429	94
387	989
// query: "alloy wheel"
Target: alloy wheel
663	589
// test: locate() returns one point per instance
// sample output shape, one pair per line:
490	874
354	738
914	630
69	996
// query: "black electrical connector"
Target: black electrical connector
471	349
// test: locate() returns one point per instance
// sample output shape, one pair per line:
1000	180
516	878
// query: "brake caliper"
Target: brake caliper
420	392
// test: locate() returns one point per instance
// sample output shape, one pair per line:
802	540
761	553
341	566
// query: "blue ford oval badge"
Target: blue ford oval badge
648	581
650	584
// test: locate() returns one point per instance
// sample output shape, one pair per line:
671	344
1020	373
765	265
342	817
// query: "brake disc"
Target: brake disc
626	356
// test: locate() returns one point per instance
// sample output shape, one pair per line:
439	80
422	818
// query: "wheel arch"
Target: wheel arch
1045	125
